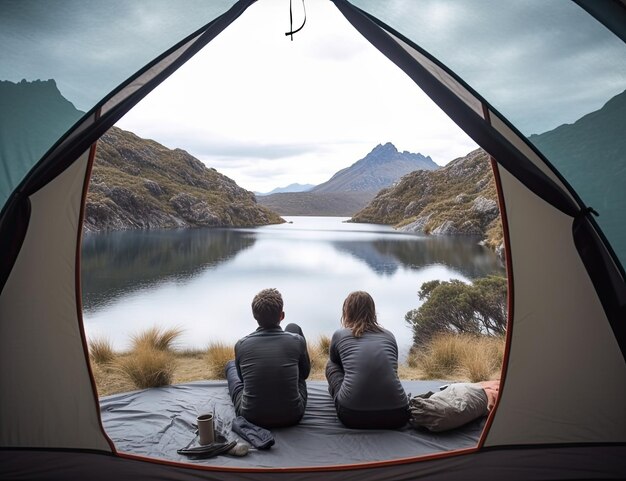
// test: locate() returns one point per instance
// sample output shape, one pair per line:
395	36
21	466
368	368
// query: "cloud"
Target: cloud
531	60
90	48
271	111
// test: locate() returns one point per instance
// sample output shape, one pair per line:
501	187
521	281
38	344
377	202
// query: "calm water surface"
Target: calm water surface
203	280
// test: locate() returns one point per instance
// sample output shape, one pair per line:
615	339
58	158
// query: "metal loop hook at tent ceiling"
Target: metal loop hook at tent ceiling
291	30
585	212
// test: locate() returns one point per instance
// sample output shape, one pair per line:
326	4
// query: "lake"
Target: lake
203	280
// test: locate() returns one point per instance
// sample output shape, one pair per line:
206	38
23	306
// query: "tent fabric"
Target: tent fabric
542	463
40	286
565	341
496	75
93	126
560	412
156	422
96	52
47	398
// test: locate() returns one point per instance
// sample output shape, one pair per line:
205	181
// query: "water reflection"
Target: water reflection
204	279
118	263
386	256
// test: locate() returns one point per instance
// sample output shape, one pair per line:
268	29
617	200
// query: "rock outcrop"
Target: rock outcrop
459	199
140	184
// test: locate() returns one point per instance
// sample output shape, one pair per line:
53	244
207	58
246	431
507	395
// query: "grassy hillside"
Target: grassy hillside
139	183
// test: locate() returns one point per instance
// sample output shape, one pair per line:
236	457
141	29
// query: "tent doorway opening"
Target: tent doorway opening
173	252
539	85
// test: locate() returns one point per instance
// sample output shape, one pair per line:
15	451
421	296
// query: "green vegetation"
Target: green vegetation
455	307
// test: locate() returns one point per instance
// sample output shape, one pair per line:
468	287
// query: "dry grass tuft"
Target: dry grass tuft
318	354
449	356
413	358
442	357
156	338
323	344
154	362
217	355
484	360
101	351
148	367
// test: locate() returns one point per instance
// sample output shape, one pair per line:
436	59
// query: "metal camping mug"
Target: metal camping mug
206	429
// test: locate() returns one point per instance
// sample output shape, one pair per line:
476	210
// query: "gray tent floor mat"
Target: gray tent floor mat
156	422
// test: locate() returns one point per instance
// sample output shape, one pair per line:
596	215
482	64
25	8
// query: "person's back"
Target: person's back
362	370
370	364
267	379
270	365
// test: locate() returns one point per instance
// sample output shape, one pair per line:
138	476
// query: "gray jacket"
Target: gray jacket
273	365
370	365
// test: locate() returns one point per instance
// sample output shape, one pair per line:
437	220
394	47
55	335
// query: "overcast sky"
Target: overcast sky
268	112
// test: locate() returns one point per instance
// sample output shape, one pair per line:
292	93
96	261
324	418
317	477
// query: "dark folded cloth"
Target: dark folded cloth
219	446
257	436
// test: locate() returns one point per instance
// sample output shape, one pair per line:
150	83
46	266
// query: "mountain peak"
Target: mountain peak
383	166
387	148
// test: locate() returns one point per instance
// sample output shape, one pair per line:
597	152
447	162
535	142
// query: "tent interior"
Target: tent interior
503	74
157	422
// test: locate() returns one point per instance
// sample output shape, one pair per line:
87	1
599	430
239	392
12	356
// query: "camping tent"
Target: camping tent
561	410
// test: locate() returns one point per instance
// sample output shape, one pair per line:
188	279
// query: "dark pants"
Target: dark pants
351	418
235	383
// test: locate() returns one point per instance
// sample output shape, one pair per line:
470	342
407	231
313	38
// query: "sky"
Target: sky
267	111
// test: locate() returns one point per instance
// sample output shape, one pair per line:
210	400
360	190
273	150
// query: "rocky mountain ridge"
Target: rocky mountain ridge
141	184
458	199
295	187
350	189
378	169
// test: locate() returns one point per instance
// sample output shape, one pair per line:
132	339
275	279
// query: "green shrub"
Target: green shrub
456	307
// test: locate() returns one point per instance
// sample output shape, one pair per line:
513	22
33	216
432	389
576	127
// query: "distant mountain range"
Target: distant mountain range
460	198
290	188
351	188
379	169
140	184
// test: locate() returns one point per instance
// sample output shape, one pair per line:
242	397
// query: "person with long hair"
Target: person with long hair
362	370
